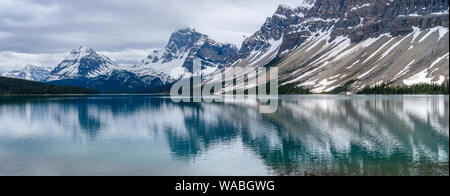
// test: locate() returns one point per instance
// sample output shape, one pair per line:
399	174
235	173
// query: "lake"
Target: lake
151	135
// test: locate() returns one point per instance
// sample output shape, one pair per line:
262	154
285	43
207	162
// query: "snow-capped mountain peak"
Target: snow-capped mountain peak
83	62
175	61
81	52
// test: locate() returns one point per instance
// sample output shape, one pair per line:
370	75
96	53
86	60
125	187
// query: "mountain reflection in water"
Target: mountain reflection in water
151	135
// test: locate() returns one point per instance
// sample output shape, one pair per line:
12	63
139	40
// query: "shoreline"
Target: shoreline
145	94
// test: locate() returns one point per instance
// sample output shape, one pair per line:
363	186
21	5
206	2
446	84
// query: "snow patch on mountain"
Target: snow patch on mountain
30	72
421	78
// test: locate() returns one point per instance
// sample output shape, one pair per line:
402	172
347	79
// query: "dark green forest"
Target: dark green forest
428	89
293	89
10	86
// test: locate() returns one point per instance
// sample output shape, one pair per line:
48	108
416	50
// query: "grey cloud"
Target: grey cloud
54	26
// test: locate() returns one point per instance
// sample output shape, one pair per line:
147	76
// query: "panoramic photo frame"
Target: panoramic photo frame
224	96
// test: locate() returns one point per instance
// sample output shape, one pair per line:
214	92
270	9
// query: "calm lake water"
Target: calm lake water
151	135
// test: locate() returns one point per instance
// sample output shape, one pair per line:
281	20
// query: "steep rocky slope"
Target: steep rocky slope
325	44
175	61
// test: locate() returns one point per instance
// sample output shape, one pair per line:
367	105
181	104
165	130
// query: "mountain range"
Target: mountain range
30	72
321	45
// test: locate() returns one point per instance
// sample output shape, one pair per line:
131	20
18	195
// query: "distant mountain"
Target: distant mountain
83	63
175	61
30	72
84	67
13	86
325	44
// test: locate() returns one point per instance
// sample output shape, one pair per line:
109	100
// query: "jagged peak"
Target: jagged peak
176	59
81	52
184	39
186	30
82	48
303	4
186	33
284	11
284	7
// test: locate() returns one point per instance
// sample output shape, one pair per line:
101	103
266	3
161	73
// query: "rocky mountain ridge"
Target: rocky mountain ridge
326	44
175	61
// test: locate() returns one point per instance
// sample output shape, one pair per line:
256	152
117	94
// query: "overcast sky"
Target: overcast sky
42	32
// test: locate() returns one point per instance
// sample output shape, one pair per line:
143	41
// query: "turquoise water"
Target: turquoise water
151	135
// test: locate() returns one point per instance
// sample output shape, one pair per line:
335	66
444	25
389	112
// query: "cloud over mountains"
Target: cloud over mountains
31	28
